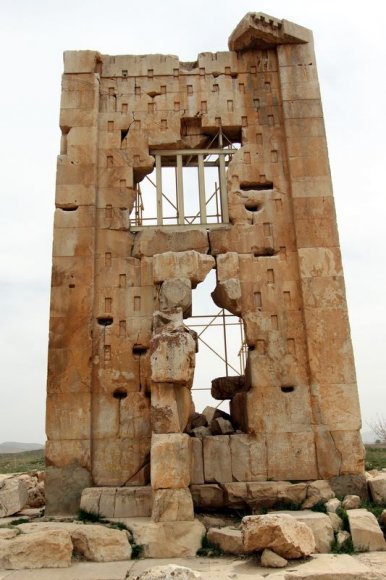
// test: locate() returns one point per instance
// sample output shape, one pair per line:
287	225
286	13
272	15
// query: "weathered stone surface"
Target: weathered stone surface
168	572
189	264
271	560
101	544
172	358
349	484
221	426
282	534
118	502
227	294
248	457
332	505
217	459
318	491
197	464
36	550
171	505
177	293
319	523
377	486
228	539
228	387
174	449
8	533
13	496
208	496
151	241
64	487
167	539
342	537
211	413
351	502
336	521
366	534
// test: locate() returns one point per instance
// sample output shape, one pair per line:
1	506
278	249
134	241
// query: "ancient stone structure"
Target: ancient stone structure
121	361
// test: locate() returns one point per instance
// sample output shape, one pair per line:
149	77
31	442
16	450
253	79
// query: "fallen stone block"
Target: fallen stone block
101	544
221	426
167	539
13	496
281	533
318	491
170	505
37	550
228	539
208	496
377	486
320	525
332	505
351	502
228	387
366	534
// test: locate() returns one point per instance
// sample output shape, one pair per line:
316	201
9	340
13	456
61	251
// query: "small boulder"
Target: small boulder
13	496
366	534
332	505
271	560
281	533
220	426
336	521
318	491
36	550
377	486
169	572
351	502
342	537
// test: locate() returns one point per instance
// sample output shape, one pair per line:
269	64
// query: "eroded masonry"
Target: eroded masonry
234	148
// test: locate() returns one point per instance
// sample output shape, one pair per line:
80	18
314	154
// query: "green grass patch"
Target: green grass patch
23	461
372	507
209	550
19	521
375	456
136	551
341	512
86	516
347	547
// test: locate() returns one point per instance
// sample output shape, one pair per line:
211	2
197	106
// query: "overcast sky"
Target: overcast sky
351	57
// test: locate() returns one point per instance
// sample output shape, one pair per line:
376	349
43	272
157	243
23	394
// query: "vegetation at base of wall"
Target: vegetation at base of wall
19	521
86	516
320	507
372	507
341	512
21	462
375	456
208	549
347	547
136	551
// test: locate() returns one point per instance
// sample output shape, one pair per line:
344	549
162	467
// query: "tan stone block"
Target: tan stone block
101	544
172	358
176	293
37	550
299	130
294	90
157	241
171	505
72	270
68	451
299	451
228	539
116	461
113	218
171	450
197	465
227	294
115	176
118	272
320	525
80	61
243	239
189	264
115	243
69	370
81	217
73	242
293	54
78	118
208	496
217	459
68	418
349	445
315	262
227	266
302	109
329	344
70	174
311	186
339	405
164	411
121	414
117	196
248	457
366	534
131	502
328	456
74	195
13	496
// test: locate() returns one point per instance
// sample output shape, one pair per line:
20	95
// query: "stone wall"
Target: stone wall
121	361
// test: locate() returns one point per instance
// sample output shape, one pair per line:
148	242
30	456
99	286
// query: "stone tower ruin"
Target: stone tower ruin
235	146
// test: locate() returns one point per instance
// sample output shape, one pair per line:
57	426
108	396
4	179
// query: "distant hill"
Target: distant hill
16	447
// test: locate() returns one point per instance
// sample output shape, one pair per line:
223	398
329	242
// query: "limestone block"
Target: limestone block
243	239
169	571
13	496
221	426
332	505
248	457
228	387
351	502
342	537
318	491
78	242
112	502
265	494
189	264
167	539
177	293
207	496
74	217
227	294
320	525
72	270
228	539
117	461
80	61
170	461
271	560
172	358
101	544
197	465
349	484
299	450
7	534
171	505
164	410
336	521
201	432
349	445
217	459
227	266
366	534
151	241
37	550
339	405
317	262
377	486
67	419
281	533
